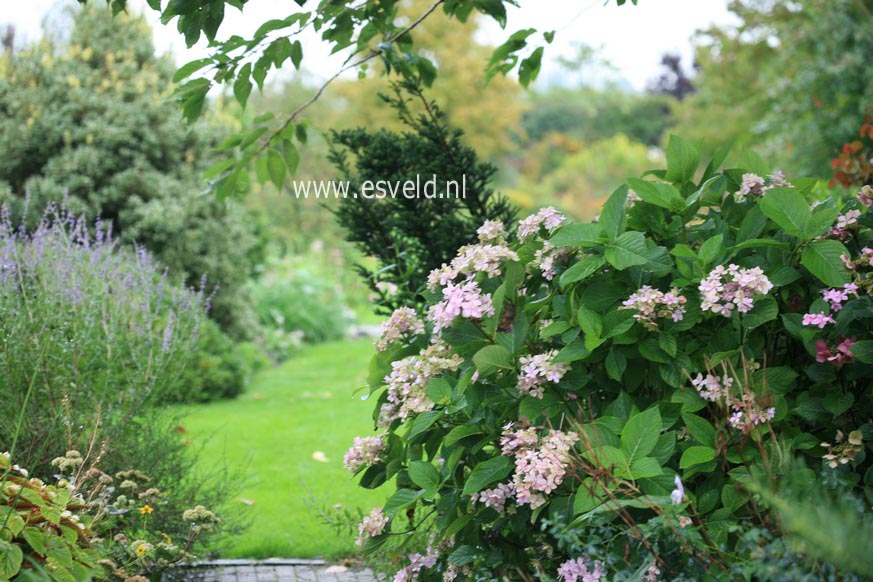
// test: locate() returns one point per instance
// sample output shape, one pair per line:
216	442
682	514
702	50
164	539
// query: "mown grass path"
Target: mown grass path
291	429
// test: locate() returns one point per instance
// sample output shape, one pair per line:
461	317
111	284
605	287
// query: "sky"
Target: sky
632	38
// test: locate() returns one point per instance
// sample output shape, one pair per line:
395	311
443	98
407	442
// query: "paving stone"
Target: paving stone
268	571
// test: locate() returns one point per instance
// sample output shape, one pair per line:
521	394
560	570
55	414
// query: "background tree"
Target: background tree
85	120
411	237
792	78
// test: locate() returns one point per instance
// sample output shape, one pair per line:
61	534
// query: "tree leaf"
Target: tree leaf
276	167
190	68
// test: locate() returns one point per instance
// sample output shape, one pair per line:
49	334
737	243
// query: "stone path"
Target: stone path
272	570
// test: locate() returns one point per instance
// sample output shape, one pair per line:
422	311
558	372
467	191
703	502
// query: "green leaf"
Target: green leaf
617	322
291	156
682	160
658	193
424	475
532	408
757	243
765	309
296	54
35	538
640	435
613	217
575	350
628	250
577	235
218	168
439	390
277	168
424	421
300	132
645	468
702	431
530	67
823	217
461	432
488	472
822	259
752	226
463	555
583	269
400	499
242	87
590	322
492	358
616	364
787	208
493	8
863	351
188	69
695	456
11	557
711	249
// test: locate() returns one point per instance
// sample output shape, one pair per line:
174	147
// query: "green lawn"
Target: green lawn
288	414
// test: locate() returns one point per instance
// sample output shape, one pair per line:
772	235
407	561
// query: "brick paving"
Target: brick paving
268	571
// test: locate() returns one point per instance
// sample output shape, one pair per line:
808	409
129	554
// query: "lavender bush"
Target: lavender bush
99	333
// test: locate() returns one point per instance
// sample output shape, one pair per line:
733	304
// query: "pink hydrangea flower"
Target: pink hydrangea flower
580	570
839	355
491	231
726	289
372	525
540	462
836	297
865	196
364	452
471	260
652	303
819	320
463	300
548	217
538	370
778	180
417	563
401	322
752	185
495	498
545	259
711	388
408	380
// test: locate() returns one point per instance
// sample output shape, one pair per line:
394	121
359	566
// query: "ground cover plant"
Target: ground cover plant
636	397
276	430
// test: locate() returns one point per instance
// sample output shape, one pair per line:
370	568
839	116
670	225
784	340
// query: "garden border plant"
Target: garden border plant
630	397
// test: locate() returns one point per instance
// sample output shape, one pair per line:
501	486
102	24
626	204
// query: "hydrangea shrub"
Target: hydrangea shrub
601	400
